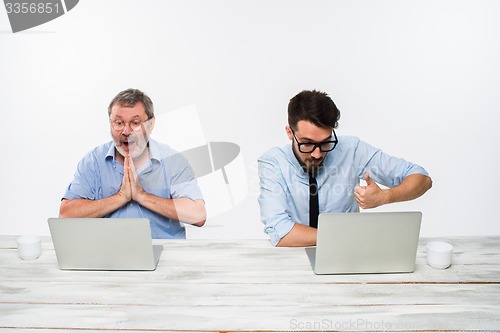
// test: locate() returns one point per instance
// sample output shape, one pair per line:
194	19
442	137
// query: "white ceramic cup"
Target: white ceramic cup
29	247
439	254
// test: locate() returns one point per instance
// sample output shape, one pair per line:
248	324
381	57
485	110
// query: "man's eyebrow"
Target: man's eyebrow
133	118
310	140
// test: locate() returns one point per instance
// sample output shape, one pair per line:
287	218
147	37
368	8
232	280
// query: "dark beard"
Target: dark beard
311	170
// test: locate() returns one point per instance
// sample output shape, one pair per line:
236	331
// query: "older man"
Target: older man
135	176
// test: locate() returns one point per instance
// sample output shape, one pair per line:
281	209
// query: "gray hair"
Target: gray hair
130	98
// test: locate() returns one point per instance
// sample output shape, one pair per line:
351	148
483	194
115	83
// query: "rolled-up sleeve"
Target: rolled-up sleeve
273	201
183	180
383	168
84	184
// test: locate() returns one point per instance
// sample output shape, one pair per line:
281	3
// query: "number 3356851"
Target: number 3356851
31	8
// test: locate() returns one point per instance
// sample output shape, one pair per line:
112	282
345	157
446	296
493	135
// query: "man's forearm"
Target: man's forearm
91	208
300	235
180	209
410	188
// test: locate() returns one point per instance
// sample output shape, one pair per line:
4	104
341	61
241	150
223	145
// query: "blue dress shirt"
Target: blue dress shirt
166	174
284	185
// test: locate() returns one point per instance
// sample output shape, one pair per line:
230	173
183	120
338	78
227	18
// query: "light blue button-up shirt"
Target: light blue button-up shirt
167	174
284	185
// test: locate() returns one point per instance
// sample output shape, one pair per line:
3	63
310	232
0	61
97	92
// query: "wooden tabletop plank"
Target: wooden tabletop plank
174	293
226	318
246	285
258	262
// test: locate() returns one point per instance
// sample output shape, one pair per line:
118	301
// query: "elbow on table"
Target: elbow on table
65	209
201	216
199	224
428	183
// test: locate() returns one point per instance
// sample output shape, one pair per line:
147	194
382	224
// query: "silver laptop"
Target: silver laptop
104	243
375	242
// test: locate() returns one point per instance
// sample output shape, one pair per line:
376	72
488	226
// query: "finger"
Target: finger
359	189
126	171
126	163
126	177
133	172
368	179
359	200
359	192
357	196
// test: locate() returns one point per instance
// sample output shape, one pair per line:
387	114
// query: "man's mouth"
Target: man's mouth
127	143
314	161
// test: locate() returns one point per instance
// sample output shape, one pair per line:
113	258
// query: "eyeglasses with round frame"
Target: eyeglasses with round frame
119	125
309	147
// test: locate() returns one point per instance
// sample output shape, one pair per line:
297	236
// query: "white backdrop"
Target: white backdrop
419	79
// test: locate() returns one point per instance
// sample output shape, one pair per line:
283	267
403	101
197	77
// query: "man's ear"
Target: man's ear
151	124
289	132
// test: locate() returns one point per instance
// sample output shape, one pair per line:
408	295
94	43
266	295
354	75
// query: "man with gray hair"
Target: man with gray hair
135	176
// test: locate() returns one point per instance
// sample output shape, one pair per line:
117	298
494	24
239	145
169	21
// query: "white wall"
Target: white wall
419	79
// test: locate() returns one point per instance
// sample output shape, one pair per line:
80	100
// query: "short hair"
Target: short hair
313	106
129	98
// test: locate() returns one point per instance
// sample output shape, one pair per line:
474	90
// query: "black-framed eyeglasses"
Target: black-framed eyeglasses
309	147
119	125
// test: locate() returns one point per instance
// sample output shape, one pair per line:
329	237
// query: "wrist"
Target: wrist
122	198
140	197
388	196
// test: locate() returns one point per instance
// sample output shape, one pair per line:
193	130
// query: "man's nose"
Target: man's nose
316	153
127	129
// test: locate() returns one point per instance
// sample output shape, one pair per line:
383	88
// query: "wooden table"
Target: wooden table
248	285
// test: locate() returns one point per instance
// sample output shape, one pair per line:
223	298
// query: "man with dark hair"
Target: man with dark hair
135	176
320	172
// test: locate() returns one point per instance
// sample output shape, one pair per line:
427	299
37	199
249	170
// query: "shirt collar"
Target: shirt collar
154	151
111	151
292	159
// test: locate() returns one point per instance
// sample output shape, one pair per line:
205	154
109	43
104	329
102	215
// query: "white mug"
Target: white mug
439	254
29	247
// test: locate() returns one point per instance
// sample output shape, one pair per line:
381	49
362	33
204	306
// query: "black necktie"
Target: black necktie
313	202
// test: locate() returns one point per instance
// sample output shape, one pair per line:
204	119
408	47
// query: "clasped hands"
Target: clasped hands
371	195
131	187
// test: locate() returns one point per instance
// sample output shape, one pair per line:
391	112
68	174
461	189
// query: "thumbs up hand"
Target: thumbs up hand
369	196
